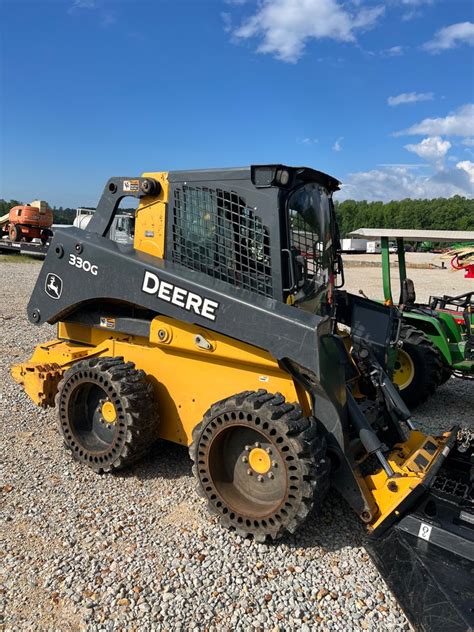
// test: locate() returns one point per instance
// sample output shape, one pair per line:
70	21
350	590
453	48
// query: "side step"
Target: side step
427	558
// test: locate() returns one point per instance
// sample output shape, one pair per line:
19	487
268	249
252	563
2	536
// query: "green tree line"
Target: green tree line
455	213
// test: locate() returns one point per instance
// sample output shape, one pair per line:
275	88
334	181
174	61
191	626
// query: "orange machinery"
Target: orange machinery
28	222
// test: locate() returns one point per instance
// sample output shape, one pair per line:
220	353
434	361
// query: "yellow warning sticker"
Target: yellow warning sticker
107	323
131	186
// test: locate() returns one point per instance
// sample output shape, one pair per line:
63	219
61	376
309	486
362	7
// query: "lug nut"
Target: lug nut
268	450
249	472
260	478
271	475
274	464
247	448
256	444
244	459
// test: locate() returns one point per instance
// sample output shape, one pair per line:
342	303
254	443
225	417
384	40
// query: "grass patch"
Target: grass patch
18	258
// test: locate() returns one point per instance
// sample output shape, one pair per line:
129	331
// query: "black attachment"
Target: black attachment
445	301
427	559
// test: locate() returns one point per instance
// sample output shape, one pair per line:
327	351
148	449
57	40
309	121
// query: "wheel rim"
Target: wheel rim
247	471
404	370
259	460
108	412
92	418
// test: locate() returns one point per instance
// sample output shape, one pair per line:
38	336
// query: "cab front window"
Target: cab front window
309	210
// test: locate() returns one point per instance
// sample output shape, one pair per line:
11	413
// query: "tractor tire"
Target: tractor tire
14	232
418	367
107	414
260	464
446	373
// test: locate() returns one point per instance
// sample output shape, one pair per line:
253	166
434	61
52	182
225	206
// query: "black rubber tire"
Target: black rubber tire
137	412
14	232
290	434
446	373
427	364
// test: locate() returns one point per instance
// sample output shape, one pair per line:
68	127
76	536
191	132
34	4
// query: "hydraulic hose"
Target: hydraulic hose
368	437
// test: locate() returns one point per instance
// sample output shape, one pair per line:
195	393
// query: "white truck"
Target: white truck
121	231
351	245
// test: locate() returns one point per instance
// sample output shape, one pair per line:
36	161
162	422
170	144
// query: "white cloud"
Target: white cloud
227	21
469	142
307	141
457	123
285	26
468	167
411	15
338	144
416	3
451	36
105	17
410	97
83	4
397	183
394	51
433	149
413	8
405	165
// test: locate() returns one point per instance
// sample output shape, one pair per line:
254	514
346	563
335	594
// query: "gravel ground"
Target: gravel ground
138	550
427	282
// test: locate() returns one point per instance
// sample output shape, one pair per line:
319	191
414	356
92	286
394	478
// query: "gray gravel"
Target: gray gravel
139	551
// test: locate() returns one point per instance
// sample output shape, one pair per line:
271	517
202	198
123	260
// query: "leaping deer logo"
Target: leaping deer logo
53	286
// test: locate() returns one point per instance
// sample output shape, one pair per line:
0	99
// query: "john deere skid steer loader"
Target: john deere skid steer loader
222	329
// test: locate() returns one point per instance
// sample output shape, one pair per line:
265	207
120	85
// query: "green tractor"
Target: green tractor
436	338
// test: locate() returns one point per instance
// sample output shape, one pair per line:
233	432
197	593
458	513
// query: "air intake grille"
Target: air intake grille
215	232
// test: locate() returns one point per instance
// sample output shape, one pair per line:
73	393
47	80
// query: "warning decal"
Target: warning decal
131	186
425	531
108	323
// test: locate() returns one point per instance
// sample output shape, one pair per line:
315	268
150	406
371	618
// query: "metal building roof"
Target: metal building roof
414	235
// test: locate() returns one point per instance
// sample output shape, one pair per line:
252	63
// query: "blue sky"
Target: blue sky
378	94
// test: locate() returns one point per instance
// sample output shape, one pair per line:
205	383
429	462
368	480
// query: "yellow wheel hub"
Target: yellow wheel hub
404	370
259	461
108	412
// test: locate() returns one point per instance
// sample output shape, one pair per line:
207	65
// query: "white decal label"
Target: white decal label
53	285
425	531
130	186
179	296
83	264
107	323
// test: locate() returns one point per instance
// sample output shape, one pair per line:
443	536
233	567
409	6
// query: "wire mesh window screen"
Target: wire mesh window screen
215	232
306	242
